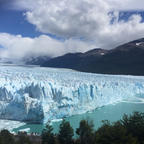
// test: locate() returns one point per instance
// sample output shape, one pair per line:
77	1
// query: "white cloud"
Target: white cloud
16	46
112	4
76	19
89	19
126	4
69	18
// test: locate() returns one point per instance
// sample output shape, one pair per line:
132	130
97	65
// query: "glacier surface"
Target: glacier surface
36	94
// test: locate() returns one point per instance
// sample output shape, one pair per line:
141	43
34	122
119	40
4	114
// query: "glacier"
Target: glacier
38	95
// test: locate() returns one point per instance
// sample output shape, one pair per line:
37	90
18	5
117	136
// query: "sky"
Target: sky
56	27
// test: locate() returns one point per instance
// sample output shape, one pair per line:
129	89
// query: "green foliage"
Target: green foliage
129	130
135	125
6	137
23	140
85	132
65	133
114	133
47	135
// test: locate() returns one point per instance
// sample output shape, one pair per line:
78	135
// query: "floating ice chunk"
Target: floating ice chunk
25	130
10	125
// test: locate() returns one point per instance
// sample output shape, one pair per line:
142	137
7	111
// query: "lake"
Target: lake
112	112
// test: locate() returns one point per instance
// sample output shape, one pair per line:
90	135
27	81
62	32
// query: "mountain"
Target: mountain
4	60
125	59
36	60
75	60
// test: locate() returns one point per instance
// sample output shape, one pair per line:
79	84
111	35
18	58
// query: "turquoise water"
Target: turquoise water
110	112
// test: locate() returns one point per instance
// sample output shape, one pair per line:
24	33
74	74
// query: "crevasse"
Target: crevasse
40	94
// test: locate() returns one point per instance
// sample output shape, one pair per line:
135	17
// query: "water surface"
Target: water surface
111	112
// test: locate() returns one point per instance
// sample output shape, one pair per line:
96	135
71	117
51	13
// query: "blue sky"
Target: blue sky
14	22
53	28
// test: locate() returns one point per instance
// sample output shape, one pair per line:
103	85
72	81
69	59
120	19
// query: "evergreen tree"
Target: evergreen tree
6	137
65	133
24	140
47	135
113	134
135	125
86	132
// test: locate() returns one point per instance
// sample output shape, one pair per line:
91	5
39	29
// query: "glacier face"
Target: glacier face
37	94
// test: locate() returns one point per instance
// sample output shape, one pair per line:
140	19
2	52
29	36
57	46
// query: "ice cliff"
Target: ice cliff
37	94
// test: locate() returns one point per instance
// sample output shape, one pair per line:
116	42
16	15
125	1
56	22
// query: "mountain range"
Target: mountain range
127	59
124	59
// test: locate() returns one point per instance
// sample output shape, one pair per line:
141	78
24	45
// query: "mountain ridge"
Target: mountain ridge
125	59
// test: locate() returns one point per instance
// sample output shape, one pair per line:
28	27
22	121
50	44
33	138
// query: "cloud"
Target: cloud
68	18
112	4
16	46
87	19
82	23
126	4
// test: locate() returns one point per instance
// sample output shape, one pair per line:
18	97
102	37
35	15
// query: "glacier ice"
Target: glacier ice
37	94
11	125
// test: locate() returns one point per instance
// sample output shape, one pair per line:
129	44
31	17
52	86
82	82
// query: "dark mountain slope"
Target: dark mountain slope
36	60
75	60
119	62
125	59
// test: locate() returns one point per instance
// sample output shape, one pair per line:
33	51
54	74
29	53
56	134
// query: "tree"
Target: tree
47	135
86	132
114	133
65	133
134	125
6	137
23	140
